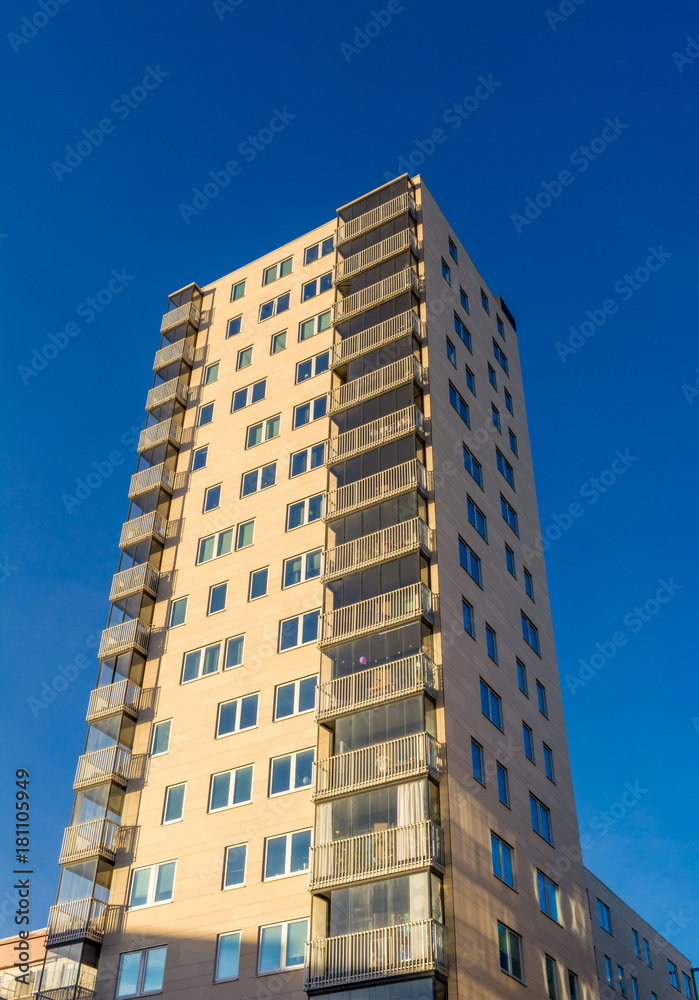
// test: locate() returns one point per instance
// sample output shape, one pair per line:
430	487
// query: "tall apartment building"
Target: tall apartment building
326	748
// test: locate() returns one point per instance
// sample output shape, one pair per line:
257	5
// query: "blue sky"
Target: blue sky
201	78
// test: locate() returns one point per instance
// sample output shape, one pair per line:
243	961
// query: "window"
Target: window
321	249
282	946
245	535
178	612
278	342
264	431
205	415
491	643
502	860
160	742
173	808
298	631
237	715
201	662
258	583
217	598
234	865
541	818
529	584
473	467
646	950
513	444
212	498
530	634
309	458
477	762
654	996
492	377
290	772
501	331
476	517
231	788
287	855
274	307
453	251
573	991
459	404
510	561
509	514
551	977
312	288
451	352
636	942
234	326
503	785
464	301
505	468
687	987
495	413
634	989
244	359
462	333
301	568
310	327
140	973
249	395
508	402
672	971
522	678
605	917
227	957
528	738
276	271
199	458
234	652
470	380
510	945
470	562
238	291
152	885
312	366
213	546
211	373
469	623
609	975
548	763
258	479
500	358
295	698
484	302
548	895
622	980
304	511
314	409
446	273
491	705
541	699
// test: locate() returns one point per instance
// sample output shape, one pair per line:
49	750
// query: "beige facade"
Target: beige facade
21	960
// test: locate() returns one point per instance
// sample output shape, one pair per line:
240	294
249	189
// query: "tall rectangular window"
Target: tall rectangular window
463	297
492	377
469	622
528	584
234	864
484	302
548	895
160	742
541	818
234	326
173	808
634	989
622	980
514	447
476	517
551	978
530	634
238	290
608	971
470	379
470	562
227	957
503	855
688	992
505	469
477	762
459	404
605	916
503	784
245	535
508	402
528	737
541	699
636	942
495	414
491	643
178	612
462	333
548	763
452	251
573	991
446	272
473	467
646	952
522	678
451	352
510	945
491	705
672	972
509	515
500	358
510	561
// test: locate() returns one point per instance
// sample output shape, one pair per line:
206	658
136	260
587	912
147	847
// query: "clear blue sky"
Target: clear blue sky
215	78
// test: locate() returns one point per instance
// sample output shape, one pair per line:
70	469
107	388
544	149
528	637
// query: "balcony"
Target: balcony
134	581
167	431
181	350
409	420
376	855
122	696
86	840
402	950
188	313
376	217
77	920
176	388
156	477
376	336
373	295
383	611
140	529
382	380
109	764
375	686
402	478
384	250
396	760
133	634
388	543
66	993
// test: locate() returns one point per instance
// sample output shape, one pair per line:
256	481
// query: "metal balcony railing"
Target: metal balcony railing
375	686
109	764
395	760
133	581
156	477
78	919
117	639
96	837
122	696
376	336
404	604
382	485
188	313
140	529
376	217
66	993
401	950
390	247
388	543
181	350
376	433
377	854
374	383
373	295
166	431
176	388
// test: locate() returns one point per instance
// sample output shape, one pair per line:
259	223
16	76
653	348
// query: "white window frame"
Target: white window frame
226	979
238	530
142	968
296	684
173	602
179	784
287	873
280	264
152	884
217	486
315	283
238	284
275	336
299	629
276	311
156	727
202	409
293	756
238	702
233	771
315	320
321	252
254	572
241	635
198	451
212	588
228	326
217	536
248	390
209	368
265	424
239	367
304	567
234	885
258	479
306	501
314	366
202	656
312	405
308	453
283	945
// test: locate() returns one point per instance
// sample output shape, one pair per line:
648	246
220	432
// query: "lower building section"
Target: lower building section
424	988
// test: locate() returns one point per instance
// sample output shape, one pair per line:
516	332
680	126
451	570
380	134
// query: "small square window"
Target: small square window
278	342
178	612
211	373
199	458
212	498
258	583
238	291
244	359
206	415
234	326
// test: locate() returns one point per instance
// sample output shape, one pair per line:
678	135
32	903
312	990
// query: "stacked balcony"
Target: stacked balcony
396	760
373	295
388	543
122	638
376	254
376	336
136	580
143	528
391	482
181	351
77	920
109	764
382	612
166	432
160	476
95	838
110	699
353	228
188	313
382	380
375	686
166	392
409	420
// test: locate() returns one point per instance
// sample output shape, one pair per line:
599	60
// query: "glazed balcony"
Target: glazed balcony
376	217
181	350
188	313
175	388
66	993
391	482
388	543
167	431
109	764
409	420
404	281
395	760
376	254
376	855
401	950
382	380
376	336
384	611
156	477
138	579
117	639
110	699
140	529
96	838
375	686
78	920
